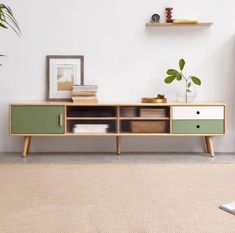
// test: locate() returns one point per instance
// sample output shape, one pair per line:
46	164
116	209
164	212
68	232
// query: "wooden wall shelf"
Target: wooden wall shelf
202	24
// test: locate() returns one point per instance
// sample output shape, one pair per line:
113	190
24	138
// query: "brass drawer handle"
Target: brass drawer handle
61	119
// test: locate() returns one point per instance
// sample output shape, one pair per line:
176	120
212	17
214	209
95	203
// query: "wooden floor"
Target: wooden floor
87	158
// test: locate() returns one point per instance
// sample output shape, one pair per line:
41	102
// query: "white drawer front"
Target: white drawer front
201	112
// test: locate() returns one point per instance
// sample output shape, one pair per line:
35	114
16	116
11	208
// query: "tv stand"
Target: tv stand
117	120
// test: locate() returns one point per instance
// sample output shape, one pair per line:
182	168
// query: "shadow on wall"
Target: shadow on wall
166	34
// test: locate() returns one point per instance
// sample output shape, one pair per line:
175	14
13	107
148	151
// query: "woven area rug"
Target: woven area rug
116	198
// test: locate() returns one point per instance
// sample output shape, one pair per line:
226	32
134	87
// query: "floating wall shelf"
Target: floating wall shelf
202	24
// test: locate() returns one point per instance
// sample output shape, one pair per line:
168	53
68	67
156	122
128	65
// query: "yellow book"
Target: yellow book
185	21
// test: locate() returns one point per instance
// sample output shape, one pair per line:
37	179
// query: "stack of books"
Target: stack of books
84	94
90	128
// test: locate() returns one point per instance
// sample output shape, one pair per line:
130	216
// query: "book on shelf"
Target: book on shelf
89	131
230	208
90	128
84	93
85	88
84	97
185	21
85	101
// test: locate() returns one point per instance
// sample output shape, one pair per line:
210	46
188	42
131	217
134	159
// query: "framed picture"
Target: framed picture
62	73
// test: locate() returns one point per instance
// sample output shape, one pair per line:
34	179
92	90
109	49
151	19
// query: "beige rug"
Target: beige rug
116	198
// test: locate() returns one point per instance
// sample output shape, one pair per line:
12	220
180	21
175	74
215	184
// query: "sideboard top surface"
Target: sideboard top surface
120	104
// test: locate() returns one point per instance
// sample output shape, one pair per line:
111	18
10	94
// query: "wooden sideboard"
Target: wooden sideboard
117	120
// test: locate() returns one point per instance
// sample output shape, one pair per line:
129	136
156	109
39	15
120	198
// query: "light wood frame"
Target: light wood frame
48	58
208	138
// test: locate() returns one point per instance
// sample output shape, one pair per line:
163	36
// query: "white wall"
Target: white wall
123	57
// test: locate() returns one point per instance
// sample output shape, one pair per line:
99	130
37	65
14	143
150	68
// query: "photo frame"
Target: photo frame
62	73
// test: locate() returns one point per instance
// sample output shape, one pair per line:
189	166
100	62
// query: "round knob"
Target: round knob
198	112
198	126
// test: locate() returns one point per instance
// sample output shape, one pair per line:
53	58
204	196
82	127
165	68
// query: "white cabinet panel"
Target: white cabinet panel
201	112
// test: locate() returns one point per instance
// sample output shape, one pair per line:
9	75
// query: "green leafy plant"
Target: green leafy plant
8	20
178	75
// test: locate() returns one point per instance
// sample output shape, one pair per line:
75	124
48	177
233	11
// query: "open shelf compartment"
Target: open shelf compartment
145	126
145	119
91	120
145	112
73	112
91	127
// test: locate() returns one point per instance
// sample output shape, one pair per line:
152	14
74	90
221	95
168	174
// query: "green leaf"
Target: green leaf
196	80
179	77
170	79
172	72
189	84
3	26
7	19
181	64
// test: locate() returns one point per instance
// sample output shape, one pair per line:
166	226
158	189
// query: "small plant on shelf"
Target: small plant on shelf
178	75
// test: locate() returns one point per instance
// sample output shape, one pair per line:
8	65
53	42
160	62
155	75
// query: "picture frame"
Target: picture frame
62	73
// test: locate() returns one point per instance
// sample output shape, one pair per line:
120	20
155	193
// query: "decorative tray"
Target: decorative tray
154	100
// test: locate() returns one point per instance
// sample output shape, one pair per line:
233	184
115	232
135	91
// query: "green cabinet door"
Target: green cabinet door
37	119
198	126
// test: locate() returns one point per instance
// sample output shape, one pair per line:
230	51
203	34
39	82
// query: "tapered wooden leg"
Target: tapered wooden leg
210	146
118	145
206	144
29	145
25	147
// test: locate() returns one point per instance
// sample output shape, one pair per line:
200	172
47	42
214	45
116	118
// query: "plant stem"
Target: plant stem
186	92
186	96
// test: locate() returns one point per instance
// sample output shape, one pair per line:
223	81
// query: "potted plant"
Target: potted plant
8	20
178	75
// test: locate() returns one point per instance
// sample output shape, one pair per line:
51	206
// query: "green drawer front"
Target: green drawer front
37	120
198	127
